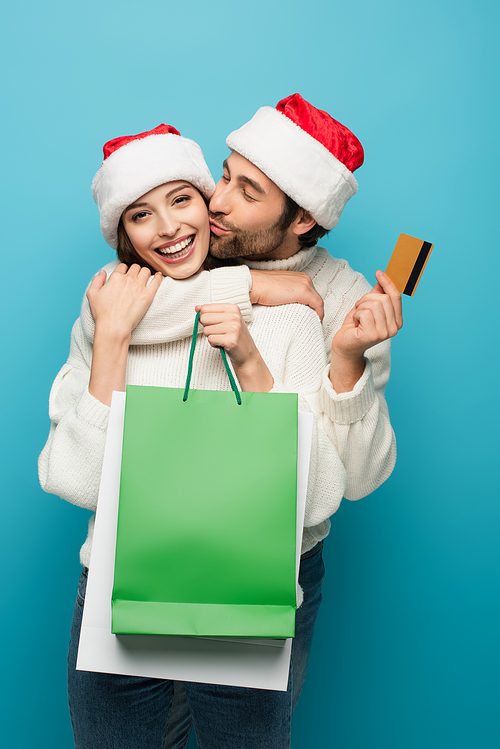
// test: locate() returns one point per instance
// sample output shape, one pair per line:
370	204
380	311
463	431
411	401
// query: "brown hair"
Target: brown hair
289	214
126	252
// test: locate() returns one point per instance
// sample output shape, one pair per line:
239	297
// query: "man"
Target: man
279	182
284	185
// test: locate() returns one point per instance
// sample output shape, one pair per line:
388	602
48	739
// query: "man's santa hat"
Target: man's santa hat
135	164
306	153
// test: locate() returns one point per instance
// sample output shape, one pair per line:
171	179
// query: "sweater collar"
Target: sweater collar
296	262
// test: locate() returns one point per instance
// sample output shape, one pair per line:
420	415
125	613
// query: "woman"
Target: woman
151	191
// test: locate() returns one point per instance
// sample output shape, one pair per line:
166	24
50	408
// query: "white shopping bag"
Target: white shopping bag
260	664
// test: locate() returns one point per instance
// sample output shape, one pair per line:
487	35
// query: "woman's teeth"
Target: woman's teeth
176	250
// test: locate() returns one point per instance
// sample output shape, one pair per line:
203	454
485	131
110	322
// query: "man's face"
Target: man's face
245	213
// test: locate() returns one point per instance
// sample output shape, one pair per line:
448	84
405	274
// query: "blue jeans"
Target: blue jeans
110	711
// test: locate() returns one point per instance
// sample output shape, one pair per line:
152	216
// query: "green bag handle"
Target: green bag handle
224	359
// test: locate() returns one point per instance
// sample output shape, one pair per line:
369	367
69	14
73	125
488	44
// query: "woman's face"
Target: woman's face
169	228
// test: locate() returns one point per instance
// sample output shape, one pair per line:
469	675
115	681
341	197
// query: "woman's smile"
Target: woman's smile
177	250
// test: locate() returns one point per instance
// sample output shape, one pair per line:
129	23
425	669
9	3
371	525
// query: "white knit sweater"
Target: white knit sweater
289	338
357	422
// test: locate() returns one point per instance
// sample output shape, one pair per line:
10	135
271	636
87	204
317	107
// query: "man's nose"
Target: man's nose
219	202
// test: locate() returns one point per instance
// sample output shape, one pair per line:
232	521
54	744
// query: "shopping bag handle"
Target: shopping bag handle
224	359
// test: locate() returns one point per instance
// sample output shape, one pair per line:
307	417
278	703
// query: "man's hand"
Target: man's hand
376	317
273	287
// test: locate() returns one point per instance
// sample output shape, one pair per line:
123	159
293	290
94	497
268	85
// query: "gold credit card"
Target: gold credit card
407	263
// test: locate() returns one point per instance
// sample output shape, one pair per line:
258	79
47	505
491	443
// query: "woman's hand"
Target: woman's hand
119	304
224	326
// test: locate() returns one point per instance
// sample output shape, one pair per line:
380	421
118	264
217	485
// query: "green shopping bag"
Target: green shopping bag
206	535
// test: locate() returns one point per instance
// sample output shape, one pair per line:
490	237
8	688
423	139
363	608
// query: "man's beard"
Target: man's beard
246	243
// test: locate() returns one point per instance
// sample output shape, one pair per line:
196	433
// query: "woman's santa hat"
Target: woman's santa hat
135	164
306	153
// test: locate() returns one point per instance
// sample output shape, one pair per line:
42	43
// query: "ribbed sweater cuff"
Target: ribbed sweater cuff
93	411
346	408
232	286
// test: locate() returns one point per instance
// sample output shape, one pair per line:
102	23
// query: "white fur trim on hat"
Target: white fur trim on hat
297	163
141	165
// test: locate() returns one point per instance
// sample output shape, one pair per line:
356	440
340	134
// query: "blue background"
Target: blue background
407	649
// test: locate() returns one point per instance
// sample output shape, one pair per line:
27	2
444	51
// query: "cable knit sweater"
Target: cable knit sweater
357	422
289	338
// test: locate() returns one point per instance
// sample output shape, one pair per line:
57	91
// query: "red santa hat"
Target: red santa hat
135	164
306	153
